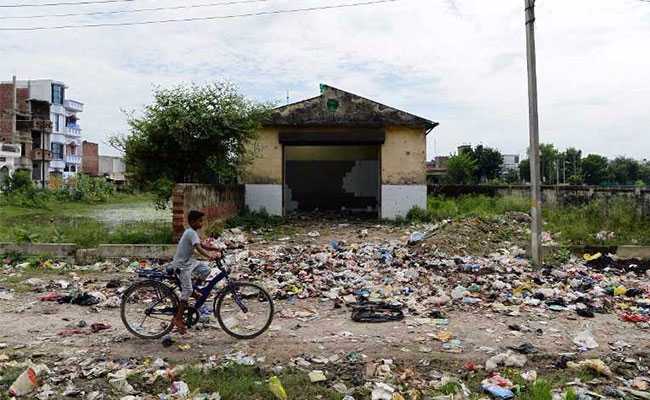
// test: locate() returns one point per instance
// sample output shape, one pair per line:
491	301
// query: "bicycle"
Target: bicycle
243	305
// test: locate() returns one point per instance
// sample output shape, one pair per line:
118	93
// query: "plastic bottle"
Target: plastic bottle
27	381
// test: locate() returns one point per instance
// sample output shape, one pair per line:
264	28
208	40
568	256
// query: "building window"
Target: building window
56	123
57	94
57	151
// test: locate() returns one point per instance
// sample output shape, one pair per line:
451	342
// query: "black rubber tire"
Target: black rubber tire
165	290
217	310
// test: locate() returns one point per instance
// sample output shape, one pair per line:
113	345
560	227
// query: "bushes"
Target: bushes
85	188
439	208
20	191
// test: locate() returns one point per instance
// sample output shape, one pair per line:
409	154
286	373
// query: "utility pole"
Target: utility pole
41	125
535	183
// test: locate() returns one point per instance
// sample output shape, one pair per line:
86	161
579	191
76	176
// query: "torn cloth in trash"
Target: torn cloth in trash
376	312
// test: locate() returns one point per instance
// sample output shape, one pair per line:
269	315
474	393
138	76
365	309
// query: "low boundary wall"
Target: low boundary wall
218	202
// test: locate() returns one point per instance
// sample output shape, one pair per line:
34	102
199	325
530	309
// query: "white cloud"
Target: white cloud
459	62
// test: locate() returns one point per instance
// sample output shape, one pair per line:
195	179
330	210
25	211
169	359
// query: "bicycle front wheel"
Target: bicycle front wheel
148	308
244	310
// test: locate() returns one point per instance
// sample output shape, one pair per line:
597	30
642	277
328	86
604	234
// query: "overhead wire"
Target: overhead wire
196	19
67	3
133	11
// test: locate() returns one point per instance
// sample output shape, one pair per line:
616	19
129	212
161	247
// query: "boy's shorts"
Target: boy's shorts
193	269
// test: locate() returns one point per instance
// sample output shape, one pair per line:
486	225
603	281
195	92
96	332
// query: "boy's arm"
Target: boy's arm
203	250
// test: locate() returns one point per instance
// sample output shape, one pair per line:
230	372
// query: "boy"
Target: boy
188	266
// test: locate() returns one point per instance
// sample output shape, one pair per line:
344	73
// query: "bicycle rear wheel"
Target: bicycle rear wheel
148	308
244	310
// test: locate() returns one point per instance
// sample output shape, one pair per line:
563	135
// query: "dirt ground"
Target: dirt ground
31	326
324	333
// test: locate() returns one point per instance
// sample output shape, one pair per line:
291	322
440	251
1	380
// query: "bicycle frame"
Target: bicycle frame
207	289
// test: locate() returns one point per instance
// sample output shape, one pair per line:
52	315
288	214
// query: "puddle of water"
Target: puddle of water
116	214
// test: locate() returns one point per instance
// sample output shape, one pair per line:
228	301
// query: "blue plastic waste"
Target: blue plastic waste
498	392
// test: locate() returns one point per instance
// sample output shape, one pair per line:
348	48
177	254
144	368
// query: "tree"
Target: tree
512	176
548	155
524	170
461	169
644	172
571	162
191	134
594	169
623	170
489	162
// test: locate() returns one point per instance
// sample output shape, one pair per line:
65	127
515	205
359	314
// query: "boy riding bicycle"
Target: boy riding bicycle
188	266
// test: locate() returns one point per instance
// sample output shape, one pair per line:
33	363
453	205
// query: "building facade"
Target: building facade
37	116
9	160
339	152
90	158
510	162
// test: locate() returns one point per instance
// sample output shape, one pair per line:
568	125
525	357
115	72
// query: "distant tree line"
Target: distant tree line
569	167
481	164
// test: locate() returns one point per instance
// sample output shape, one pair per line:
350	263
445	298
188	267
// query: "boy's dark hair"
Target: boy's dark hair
194	216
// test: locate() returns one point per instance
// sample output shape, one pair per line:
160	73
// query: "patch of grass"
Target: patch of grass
580	224
571	225
238	382
252	220
570	394
450	388
7	377
539	390
68	222
139	382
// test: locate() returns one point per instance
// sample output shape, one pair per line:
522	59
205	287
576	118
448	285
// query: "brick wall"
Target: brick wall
218	202
90	158
6	102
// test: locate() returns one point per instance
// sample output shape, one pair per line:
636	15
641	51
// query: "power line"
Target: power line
137	10
195	19
80	3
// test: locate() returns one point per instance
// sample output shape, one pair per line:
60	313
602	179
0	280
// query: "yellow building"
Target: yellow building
339	152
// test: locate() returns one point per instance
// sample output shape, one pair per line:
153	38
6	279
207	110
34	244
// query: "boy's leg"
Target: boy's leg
185	277
200	272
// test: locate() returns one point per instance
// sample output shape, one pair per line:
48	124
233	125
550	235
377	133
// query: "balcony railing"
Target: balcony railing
73	130
73	105
72	159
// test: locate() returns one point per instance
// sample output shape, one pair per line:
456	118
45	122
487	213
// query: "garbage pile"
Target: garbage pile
423	280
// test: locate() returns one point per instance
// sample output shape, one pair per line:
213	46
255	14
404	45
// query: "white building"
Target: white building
65	140
510	162
9	160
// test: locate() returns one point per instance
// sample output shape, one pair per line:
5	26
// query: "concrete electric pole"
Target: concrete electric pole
535	183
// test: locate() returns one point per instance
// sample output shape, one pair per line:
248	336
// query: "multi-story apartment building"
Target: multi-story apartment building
65	141
37	115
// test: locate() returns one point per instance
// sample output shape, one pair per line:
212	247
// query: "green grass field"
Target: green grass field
81	223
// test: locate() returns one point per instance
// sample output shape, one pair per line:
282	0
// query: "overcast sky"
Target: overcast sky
459	62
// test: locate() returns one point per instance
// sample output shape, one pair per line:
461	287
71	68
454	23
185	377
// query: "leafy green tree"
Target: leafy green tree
571	162
461	169
524	170
512	176
489	162
644	172
548	156
191	134
623	170
594	169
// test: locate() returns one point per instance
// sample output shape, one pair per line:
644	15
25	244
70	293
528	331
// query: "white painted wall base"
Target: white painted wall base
397	200
268	197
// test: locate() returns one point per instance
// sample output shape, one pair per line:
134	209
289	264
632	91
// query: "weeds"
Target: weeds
570	225
239	382
252	220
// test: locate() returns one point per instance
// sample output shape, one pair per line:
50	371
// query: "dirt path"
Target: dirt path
32	326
